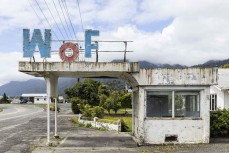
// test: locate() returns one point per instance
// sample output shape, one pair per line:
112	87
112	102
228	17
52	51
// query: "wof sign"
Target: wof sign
68	51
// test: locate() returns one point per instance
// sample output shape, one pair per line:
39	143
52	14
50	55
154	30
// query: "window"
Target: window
161	103
187	104
37	99
44	99
213	102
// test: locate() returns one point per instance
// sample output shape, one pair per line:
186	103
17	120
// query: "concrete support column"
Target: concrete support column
52	91
56	136
139	117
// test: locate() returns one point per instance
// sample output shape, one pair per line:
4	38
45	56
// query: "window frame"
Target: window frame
215	102
174	91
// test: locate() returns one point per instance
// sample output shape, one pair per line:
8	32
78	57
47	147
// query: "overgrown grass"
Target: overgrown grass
113	120
120	111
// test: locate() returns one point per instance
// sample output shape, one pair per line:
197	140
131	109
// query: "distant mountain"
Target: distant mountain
208	64
146	64
16	88
213	63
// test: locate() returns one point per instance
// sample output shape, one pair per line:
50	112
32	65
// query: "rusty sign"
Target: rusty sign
69	52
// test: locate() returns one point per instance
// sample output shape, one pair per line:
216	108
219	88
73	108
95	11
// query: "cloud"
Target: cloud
9	68
198	31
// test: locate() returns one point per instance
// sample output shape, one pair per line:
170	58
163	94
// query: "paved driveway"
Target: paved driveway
20	127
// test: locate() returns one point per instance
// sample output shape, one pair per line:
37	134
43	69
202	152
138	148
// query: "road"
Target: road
21	126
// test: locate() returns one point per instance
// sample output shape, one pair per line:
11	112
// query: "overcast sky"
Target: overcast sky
184	32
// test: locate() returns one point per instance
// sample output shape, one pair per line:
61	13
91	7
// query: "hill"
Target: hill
15	88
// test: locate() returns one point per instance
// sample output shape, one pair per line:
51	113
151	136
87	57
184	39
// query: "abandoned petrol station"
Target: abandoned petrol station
169	105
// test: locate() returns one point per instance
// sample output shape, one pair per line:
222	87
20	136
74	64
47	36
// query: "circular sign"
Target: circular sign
69	52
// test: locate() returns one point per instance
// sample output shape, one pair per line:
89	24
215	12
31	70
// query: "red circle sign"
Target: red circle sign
69	52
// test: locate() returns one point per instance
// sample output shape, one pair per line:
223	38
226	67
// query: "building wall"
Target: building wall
226	99
220	96
189	130
40	100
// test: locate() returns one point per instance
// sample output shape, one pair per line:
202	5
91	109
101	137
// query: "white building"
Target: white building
219	94
38	98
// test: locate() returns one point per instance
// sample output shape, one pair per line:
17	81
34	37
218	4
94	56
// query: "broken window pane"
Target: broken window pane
159	104
187	104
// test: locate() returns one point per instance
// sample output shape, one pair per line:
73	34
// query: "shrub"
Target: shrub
52	107
219	123
97	112
124	127
74	105
86	110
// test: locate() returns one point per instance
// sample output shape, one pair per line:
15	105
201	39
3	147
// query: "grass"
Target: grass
120	111
113	120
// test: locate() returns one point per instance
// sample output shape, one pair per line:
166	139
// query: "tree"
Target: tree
103	90
102	100
126	101
88	90
75	102
115	103
4	99
108	105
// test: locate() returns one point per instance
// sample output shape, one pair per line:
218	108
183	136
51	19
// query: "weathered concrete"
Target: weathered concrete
146	130
189	76
150	130
223	81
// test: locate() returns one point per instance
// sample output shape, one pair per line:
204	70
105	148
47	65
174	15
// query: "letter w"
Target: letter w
43	46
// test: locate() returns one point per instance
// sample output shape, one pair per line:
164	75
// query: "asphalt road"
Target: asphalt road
21	126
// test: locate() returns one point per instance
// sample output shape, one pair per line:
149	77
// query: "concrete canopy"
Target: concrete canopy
82	69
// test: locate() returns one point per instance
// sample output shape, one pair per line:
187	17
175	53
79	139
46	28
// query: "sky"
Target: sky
186	32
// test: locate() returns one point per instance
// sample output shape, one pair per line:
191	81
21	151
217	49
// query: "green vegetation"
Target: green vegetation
88	95
52	107
219	123
126	122
94	99
88	90
4	99
225	66
122	111
74	105
75	120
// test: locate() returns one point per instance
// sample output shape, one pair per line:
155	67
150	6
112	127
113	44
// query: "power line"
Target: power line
36	14
65	18
60	19
66	9
46	19
80	14
54	19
